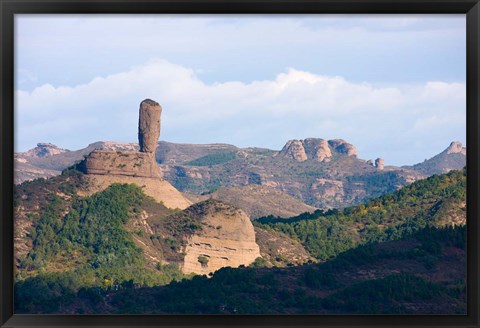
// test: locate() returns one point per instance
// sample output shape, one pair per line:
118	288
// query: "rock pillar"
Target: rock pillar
379	163
149	126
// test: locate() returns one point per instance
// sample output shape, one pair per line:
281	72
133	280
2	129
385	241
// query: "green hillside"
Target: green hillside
84	255
422	273
436	201
90	245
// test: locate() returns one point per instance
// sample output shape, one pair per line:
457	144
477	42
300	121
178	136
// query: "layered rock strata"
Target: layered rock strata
226	239
105	167
131	163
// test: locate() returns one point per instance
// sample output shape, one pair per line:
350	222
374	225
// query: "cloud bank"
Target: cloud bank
403	124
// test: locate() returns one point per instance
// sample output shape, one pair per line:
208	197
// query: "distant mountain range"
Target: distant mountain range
320	173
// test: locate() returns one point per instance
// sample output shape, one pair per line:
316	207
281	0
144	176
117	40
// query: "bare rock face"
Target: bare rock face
131	163
149	125
343	147
226	239
126	163
456	148
317	149
379	163
295	150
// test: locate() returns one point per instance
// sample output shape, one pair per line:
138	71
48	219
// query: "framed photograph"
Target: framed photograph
243	163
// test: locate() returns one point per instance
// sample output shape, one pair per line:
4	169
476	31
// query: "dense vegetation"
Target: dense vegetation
412	285
386	256
389	217
87	247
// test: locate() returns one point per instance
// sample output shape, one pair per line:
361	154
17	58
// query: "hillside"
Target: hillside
52	216
437	201
321	173
451	158
258	201
423	273
103	251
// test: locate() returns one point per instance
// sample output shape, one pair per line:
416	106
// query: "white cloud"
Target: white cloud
380	121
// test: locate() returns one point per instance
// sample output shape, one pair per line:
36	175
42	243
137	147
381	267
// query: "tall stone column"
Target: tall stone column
149	126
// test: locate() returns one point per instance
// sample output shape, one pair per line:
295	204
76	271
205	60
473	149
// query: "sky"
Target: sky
392	85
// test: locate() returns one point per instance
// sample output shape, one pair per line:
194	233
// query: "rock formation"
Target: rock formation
316	149
104	167
149	125
226	238
131	163
456	148
294	149
343	147
379	163
44	149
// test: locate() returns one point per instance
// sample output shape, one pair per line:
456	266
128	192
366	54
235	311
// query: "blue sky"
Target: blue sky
393	85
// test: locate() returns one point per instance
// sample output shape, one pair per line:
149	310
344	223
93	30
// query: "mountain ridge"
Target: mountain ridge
329	174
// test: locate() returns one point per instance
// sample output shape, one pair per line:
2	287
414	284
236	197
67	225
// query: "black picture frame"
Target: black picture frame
8	8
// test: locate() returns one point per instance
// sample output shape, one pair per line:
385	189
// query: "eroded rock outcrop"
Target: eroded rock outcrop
131	163
226	238
456	148
149	125
44	149
134	164
316	149
343	147
105	167
379	163
294	149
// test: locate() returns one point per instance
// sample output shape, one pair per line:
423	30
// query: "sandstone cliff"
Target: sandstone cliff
134	164
226	238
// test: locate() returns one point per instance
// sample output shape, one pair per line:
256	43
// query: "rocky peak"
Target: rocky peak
44	149
456	148
343	147
294	149
317	149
